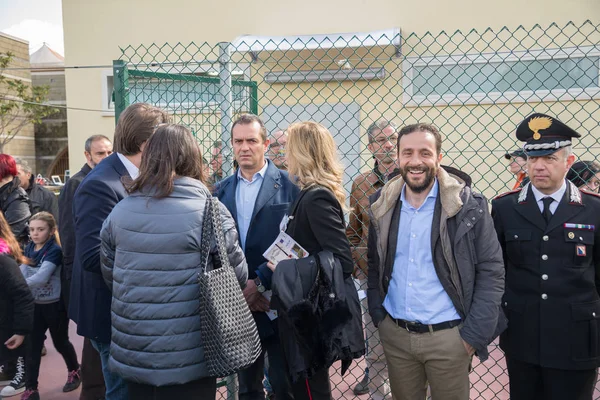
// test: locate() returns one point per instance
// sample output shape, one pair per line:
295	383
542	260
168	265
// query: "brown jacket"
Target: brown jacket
357	231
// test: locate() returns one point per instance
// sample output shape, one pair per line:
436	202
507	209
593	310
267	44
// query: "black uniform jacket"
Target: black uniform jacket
552	273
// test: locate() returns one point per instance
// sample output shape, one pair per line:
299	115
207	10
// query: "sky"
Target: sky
37	21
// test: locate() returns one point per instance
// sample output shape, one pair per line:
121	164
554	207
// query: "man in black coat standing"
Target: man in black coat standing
97	148
95	198
550	234
40	198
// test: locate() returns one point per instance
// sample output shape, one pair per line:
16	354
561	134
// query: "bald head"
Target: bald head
276	152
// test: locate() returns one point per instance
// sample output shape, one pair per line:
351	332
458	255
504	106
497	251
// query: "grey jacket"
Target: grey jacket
150	257
465	249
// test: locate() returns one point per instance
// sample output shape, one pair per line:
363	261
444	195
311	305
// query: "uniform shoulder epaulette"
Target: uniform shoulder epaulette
506	193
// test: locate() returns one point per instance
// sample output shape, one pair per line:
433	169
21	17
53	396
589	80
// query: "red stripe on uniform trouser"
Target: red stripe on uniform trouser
308	390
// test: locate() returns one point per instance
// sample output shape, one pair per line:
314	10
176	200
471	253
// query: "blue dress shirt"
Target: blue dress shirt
415	292
245	199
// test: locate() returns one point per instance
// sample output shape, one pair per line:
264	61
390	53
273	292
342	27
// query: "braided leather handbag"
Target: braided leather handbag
229	335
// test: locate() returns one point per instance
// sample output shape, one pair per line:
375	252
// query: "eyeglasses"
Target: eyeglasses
383	140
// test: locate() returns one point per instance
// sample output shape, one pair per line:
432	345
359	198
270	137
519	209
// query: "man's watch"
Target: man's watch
261	288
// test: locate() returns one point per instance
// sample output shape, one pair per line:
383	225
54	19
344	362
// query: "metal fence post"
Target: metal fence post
473	85
226	107
225	92
120	87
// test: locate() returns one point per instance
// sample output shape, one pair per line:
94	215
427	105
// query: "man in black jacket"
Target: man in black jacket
258	195
97	148
40	198
550	233
94	200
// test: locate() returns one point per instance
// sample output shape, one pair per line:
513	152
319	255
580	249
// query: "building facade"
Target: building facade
51	138
23	144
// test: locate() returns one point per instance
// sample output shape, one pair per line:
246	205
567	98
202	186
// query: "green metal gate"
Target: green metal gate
475	86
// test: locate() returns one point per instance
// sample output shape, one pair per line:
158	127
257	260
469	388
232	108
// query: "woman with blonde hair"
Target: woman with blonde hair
316	223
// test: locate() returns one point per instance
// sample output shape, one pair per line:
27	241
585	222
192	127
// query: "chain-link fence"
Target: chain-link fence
475	86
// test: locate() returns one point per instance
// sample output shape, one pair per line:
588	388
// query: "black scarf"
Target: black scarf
38	256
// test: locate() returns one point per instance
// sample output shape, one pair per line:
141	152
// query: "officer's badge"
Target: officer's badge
581	250
538	123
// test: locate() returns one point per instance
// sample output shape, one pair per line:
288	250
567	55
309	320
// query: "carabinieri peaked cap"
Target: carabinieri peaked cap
544	135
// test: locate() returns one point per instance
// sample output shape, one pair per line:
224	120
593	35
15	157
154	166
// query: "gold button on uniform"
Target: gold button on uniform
545	277
544	296
545	238
544	257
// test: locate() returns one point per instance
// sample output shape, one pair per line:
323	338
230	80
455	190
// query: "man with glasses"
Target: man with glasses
382	136
276	152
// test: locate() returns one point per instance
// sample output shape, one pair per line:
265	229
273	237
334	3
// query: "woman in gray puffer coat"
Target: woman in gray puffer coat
151	244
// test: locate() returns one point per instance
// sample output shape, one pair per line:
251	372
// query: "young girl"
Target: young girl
43	277
16	313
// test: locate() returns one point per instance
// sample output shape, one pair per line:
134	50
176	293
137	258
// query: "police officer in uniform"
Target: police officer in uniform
550	236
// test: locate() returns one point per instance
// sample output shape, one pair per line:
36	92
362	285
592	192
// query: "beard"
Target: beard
429	173
385	158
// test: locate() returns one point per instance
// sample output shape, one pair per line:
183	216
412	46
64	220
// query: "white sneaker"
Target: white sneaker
17	385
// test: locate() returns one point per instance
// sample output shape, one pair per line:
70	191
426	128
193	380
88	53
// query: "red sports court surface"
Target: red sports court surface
489	380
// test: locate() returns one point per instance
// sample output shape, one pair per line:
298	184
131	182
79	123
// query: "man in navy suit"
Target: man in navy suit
258	196
95	198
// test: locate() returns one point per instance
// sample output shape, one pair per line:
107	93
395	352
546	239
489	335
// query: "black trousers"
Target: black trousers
8	358
51	317
532	382
92	379
203	389
251	378
318	387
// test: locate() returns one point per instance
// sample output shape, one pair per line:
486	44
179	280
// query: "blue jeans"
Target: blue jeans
116	387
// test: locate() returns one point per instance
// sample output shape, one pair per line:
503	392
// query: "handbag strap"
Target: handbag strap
213	227
217	224
205	241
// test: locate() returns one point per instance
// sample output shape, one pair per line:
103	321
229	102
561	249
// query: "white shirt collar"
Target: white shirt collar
557	196
261	172
131	168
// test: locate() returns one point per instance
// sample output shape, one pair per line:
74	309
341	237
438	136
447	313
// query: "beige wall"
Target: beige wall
94	31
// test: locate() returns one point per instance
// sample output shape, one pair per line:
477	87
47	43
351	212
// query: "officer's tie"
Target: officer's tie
547	214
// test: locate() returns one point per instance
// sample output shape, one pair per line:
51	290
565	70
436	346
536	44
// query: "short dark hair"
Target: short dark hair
407	130
247	119
171	151
582	171
92	139
135	126
379	125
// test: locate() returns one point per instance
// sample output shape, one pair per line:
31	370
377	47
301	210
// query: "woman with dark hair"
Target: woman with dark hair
14	202
151	258
585	175
16	313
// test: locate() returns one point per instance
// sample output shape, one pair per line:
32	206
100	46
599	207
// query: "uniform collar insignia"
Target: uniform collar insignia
523	193
575	193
